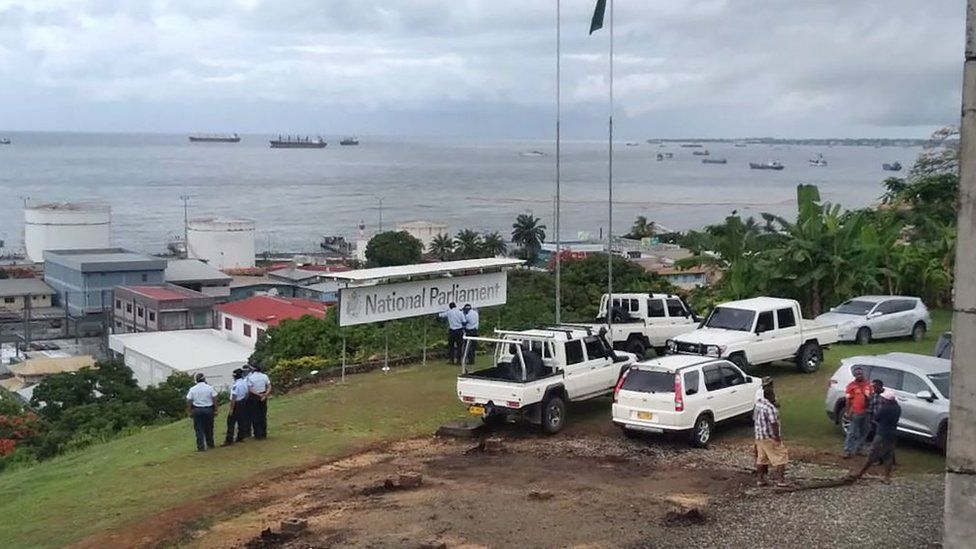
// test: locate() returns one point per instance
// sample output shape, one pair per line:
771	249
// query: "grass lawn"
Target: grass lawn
73	496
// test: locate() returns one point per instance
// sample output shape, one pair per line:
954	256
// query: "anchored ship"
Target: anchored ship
233	138
765	166
297	142
349	141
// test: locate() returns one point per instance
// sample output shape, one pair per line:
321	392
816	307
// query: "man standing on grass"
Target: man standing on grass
883	447
237	416
470	329
858	394
455	332
770	451
874	406
202	401
259	389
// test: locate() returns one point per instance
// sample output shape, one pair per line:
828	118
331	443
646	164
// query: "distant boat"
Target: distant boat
233	138
896	167
739	144
714	161
289	142
701	153
664	156
692	145
818	162
4	140
765	165
532	154
349	141
632	144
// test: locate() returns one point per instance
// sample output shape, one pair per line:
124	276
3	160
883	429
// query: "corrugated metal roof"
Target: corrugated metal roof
272	310
193	270
183	350
10	287
407	271
51	366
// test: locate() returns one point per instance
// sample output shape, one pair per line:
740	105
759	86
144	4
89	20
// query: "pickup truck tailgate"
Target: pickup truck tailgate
826	334
474	390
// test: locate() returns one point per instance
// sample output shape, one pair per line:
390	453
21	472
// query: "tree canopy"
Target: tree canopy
392	248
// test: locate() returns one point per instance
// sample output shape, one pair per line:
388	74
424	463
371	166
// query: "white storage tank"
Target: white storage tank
66	226
223	243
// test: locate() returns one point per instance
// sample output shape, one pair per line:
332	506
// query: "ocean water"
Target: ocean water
296	196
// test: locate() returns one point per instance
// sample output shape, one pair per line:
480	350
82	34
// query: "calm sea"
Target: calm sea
296	196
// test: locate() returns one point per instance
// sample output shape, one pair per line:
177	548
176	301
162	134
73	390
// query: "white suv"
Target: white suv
682	393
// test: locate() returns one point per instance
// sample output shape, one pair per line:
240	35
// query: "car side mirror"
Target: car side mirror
748	379
925	395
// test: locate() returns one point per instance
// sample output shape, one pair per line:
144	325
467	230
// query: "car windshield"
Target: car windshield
941	382
854	307
727	318
647	381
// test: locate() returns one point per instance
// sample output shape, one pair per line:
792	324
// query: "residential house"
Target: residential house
246	320
17	294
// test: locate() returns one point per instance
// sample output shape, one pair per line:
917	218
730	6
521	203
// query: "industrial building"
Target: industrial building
17	294
84	279
245	321
66	226
424	231
154	356
196	275
222	243
160	308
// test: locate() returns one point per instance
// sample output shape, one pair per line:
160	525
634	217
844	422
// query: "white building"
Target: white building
223	243
65	226
424	231
247	320
154	356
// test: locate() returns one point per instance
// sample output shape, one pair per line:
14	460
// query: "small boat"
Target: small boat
818	162
895	167
714	161
692	145
4	140
774	165
347	141
532	154
701	153
739	144
289	142
632	144
233	138
660	157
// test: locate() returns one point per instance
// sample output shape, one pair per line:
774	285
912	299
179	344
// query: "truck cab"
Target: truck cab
640	322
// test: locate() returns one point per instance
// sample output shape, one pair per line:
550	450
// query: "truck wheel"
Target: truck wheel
918	331
863	336
810	357
553	414
739	360
701	433
637	347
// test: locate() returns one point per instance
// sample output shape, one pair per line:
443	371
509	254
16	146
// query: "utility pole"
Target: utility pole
960	498
381	215
186	225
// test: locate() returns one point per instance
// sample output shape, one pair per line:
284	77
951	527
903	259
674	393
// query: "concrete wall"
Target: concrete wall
18	303
236	331
92	291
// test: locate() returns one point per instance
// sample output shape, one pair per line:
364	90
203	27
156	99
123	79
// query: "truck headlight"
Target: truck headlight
671	346
714	350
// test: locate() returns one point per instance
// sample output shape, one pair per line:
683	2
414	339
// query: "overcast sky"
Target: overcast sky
481	68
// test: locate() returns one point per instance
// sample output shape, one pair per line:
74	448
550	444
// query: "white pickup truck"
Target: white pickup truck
536	372
759	331
645	321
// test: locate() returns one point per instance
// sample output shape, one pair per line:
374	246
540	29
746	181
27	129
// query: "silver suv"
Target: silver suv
878	316
920	382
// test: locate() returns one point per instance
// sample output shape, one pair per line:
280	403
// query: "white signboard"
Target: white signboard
364	304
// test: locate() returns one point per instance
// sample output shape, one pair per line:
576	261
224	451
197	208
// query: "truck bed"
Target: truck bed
825	334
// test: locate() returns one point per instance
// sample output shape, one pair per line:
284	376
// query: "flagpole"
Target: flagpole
558	159
610	193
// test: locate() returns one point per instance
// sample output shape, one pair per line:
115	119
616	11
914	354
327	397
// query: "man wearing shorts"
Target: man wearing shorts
770	451
883	447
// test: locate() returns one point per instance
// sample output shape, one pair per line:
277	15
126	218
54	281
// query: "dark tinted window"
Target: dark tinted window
713	378
903	305
854	307
890	378
732	376
887	307
730	319
655	308
647	381
786	318
692	379
765	322
594	349
941	382
911	383
675	308
574	351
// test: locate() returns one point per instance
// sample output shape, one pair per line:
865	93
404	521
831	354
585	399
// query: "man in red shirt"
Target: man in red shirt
856	412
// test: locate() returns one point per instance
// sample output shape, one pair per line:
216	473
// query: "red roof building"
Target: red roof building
160	307
246	320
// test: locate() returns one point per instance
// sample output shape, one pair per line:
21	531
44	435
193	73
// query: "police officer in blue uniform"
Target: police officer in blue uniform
259	389
237	415
202	402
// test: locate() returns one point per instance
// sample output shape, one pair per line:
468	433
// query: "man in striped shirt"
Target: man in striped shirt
770	451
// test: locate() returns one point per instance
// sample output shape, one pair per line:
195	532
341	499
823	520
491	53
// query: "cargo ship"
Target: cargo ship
349	141
289	142
233	138
765	166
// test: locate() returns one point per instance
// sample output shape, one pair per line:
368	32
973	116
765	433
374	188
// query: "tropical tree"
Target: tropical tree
442	247
642	228
528	233
493	245
467	244
392	248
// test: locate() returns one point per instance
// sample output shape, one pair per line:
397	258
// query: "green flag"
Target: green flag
597	22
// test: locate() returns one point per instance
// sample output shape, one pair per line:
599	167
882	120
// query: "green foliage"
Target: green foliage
441	247
467	245
62	391
584	281
168	399
642	228
291	372
391	248
528	233
492	244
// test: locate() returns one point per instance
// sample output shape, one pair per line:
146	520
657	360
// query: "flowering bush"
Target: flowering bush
15	429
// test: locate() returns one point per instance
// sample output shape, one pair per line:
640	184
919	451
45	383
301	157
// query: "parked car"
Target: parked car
879	316
920	382
645	321
758	331
681	393
535	374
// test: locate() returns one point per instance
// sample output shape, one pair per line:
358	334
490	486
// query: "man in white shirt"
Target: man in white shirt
237	415
471	318
202	402
455	332
259	389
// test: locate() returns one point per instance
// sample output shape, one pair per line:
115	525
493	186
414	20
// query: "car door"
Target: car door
763	349
575	368
718	398
741	396
903	318
916	413
680	320
884	323
603	371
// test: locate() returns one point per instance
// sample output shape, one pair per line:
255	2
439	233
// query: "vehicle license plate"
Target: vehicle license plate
645	415
476	410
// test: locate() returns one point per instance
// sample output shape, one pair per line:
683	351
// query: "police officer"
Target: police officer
237	415
455	332
259	389
202	401
470	329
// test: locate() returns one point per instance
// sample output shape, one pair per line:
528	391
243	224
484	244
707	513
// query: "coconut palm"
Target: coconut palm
528	233
467	244
642	228
441	247
493	245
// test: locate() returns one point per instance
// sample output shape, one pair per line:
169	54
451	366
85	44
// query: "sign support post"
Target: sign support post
343	379
424	352
386	346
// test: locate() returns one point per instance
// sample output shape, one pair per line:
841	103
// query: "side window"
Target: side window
594	349
691	381
886	307
713	378
634	305
765	322
912	384
655	308
574	351
892	379
732	376
905	305
675	309
785	318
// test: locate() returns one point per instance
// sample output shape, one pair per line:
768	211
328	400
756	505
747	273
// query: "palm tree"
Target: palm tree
642	228
529	234
441	247
467	244
493	245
